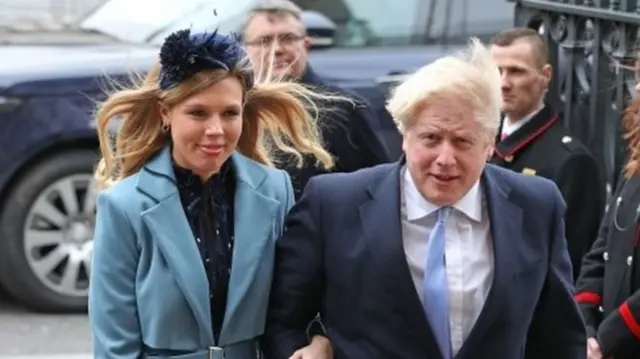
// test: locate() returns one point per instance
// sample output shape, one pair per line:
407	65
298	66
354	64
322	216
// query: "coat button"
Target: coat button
600	309
629	260
605	255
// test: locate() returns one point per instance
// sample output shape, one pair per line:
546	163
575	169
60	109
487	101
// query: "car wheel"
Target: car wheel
46	233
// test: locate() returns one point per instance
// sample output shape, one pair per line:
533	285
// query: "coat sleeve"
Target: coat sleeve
298	282
621	328
113	310
290	196
580	182
557	330
590	281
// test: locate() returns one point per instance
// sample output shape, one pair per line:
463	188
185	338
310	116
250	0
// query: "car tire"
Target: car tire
17	273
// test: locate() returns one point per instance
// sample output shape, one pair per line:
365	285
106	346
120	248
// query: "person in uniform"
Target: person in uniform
608	289
532	139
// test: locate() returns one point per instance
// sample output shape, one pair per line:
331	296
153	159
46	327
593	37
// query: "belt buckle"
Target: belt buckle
212	351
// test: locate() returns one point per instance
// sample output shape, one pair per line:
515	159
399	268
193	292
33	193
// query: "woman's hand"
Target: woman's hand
320	348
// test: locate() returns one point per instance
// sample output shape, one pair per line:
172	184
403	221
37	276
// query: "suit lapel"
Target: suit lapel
254	230
170	230
506	227
381	225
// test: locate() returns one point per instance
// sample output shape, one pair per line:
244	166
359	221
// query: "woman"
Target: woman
608	289
185	231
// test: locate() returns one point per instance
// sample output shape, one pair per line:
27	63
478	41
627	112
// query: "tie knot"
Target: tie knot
443	213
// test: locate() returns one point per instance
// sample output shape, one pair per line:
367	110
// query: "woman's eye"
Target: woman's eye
230	113
198	113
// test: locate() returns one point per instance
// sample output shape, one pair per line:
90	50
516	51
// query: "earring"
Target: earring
164	128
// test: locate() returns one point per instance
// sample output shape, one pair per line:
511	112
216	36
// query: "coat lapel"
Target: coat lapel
381	224
508	149
506	227
255	228
170	230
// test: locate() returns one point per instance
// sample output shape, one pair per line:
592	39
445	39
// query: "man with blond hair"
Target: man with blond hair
367	249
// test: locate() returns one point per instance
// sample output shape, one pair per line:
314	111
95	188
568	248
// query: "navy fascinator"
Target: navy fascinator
184	54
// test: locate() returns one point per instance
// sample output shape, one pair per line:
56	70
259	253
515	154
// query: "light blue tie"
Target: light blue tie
435	285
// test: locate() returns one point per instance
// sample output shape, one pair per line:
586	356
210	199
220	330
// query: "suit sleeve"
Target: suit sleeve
298	283
113	311
557	330
581	185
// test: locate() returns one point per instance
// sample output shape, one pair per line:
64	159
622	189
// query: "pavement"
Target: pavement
26	335
45	356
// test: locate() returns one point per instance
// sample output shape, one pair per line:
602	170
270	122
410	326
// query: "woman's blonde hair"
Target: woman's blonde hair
631	124
276	113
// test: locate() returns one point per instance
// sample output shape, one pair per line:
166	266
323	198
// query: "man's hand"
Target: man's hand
593	349
320	348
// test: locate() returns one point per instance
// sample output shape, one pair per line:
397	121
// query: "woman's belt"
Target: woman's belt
242	350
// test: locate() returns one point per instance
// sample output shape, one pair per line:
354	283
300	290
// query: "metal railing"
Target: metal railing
590	43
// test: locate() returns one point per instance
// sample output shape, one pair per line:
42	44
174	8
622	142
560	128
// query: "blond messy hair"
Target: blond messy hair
276	113
472	76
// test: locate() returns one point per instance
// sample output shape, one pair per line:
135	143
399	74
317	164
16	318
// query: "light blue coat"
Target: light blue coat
148	284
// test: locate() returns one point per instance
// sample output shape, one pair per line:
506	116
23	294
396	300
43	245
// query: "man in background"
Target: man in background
532	139
275	36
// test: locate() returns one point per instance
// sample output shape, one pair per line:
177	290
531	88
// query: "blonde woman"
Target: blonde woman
186	228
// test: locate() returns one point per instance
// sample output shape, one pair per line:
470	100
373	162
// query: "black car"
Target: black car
49	83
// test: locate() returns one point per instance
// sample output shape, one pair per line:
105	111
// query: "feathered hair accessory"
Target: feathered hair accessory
184	54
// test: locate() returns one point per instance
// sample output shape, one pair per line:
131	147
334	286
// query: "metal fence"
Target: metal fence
591	42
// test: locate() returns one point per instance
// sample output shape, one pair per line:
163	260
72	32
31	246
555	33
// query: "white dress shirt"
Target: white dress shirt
509	127
468	252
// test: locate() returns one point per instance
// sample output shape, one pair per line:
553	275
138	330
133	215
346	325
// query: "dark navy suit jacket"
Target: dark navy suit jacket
342	255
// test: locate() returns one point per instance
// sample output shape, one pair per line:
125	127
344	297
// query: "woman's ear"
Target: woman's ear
164	113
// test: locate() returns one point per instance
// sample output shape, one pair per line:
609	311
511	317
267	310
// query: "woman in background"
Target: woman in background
185	231
608	289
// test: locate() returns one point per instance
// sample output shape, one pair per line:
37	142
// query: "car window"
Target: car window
371	23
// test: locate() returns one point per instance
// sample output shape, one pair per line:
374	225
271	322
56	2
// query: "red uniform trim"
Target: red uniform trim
588	298
629	319
529	139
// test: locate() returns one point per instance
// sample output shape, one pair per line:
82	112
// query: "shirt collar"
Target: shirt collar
510	127
418	207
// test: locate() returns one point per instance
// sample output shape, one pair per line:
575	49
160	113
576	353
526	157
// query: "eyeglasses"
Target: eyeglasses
268	41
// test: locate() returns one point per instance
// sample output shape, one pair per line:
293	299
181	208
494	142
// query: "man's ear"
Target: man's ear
547	74
490	151
307	42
